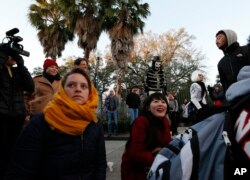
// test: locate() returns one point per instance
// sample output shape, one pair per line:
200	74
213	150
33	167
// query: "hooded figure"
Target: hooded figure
235	57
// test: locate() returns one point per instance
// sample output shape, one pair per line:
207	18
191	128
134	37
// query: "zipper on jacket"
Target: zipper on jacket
226	139
190	133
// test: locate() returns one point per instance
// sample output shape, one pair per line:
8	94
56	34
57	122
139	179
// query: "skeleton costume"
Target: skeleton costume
154	79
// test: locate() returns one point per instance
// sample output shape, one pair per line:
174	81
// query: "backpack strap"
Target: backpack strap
163	170
227	134
194	142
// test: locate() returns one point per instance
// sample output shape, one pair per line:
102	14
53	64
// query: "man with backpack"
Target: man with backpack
217	147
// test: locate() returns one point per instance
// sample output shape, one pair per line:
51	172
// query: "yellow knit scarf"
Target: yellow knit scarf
65	115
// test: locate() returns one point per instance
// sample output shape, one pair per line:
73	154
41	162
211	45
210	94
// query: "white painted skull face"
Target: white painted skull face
157	65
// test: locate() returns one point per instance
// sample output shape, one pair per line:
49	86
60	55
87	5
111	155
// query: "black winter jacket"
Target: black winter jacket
133	100
235	57
42	153
12	89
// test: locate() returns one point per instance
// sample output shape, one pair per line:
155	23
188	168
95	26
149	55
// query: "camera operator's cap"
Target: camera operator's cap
49	62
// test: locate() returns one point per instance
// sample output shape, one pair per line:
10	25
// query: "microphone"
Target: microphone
12	32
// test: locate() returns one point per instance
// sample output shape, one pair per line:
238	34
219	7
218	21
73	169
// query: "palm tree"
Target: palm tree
53	32
83	18
123	22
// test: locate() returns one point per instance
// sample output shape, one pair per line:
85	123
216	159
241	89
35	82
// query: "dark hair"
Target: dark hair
77	70
149	99
220	32
154	123
78	61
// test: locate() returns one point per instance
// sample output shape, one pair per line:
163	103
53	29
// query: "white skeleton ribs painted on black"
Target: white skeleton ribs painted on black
154	79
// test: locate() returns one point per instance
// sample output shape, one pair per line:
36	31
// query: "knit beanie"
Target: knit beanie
49	62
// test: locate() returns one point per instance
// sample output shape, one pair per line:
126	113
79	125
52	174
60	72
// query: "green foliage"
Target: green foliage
53	32
37	71
130	12
178	74
103	76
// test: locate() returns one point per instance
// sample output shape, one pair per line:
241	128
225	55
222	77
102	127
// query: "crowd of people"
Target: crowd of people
50	130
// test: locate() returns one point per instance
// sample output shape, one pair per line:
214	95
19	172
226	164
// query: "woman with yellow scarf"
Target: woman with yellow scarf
66	141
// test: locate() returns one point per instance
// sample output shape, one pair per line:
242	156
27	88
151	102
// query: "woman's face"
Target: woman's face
158	108
77	88
52	70
200	77
83	65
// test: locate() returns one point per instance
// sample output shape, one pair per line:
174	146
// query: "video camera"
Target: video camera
13	46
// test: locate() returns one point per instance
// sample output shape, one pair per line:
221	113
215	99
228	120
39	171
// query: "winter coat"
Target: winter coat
216	96
155	81
196	96
44	91
235	57
133	100
137	158
12	88
111	103
42	153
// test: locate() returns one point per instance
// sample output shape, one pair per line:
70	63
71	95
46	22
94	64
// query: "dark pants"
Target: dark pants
186	121
113	114
10	128
174	122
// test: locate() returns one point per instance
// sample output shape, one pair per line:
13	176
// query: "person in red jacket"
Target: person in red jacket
149	133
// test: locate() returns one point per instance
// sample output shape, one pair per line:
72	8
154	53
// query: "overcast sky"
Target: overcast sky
200	18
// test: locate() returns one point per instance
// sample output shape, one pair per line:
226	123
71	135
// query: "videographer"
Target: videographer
14	80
